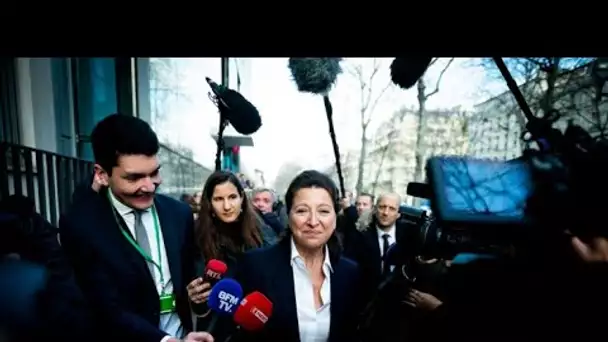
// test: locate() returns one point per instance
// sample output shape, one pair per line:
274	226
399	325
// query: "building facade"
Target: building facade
391	163
496	127
49	106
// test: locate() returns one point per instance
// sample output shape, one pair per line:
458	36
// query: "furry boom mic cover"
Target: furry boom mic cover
315	75
241	113
405	72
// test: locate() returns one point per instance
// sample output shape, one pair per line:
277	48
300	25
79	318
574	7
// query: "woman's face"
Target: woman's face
312	218
226	202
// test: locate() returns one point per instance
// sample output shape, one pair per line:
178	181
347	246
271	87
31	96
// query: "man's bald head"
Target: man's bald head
387	210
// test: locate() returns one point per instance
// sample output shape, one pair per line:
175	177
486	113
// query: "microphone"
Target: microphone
420	190
317	76
213	273
224	299
254	312
21	283
235	108
406	71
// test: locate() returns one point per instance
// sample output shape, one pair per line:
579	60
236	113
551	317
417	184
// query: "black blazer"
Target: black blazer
269	271
365	250
115	277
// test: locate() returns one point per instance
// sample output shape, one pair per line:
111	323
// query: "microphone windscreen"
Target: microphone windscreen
21	283
225	297
315	75
420	190
406	71
254	312
241	113
215	269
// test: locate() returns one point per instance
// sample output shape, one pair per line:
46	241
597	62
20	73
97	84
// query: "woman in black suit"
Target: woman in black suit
312	287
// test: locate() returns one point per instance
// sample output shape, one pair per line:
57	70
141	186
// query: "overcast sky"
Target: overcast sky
294	124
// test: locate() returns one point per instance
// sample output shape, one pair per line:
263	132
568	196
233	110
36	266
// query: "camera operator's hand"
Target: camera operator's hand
594	251
422	300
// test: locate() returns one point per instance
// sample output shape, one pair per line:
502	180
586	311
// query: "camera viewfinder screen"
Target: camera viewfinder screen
477	190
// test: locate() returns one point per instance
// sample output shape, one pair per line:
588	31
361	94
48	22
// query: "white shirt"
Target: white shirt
169	322
392	238
313	324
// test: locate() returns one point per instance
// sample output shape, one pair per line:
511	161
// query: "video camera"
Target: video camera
478	206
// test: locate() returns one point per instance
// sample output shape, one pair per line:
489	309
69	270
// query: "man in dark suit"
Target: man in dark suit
369	245
132	249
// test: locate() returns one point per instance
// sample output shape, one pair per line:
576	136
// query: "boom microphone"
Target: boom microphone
317	76
213	273
406	71
241	114
254	312
224	299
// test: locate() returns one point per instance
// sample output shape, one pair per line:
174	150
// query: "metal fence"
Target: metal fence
45	177
50	179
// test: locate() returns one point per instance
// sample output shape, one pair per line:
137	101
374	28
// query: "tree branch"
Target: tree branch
440	77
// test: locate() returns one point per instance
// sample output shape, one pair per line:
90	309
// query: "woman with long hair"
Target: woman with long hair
226	227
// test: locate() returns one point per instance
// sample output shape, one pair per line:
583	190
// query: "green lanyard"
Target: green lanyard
138	248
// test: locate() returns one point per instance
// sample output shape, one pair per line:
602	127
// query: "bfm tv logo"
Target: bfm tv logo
227	301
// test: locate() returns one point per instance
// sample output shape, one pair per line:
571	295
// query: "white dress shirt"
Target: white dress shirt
313	323
169	322
392	238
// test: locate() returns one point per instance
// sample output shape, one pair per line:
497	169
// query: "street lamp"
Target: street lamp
600	74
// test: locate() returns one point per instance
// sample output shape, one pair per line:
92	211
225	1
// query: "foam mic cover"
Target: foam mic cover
406	71
21	284
214	271
233	106
315	75
224	299
254	312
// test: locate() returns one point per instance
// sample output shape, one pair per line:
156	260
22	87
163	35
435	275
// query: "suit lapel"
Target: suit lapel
171	239
284	287
338	292
371	238
112	226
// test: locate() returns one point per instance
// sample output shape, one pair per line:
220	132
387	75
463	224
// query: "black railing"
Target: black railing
45	177
50	179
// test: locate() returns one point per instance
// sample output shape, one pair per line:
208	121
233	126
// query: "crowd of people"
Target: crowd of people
129	263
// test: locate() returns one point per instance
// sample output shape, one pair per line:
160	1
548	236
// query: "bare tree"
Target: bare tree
165	87
370	96
423	97
387	148
286	174
349	163
547	83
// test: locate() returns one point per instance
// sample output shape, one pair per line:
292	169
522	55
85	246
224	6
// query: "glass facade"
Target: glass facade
185	118
95	85
180	109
